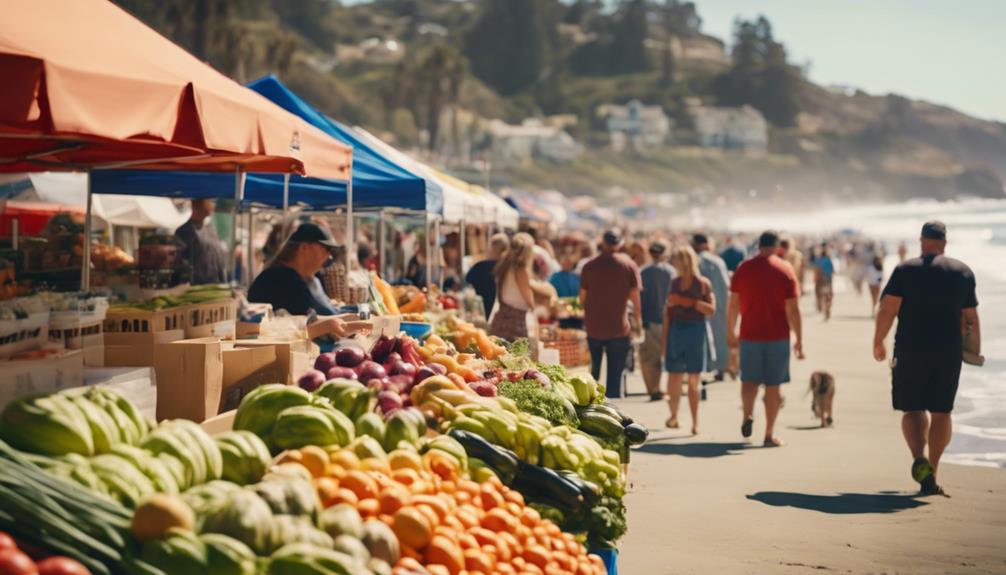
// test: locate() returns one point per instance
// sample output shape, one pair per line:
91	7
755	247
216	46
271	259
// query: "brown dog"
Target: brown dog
822	385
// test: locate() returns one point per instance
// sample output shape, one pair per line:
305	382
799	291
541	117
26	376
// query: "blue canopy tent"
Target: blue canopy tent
376	181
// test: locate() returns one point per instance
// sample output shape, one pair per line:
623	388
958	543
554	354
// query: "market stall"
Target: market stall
80	94
425	448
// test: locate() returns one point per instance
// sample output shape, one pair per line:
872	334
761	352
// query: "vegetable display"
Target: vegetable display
454	455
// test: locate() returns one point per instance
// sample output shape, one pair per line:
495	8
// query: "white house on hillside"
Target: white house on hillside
635	124
531	140
730	128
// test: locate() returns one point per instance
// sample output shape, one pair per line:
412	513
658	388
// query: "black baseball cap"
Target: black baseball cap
309	232
612	237
699	239
934	230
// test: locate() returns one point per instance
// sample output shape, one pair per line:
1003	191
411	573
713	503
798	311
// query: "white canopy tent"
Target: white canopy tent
462	201
70	188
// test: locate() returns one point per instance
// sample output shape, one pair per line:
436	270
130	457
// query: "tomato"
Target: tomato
61	566
14	562
6	542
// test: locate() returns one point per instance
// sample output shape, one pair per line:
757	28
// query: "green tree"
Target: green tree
628	47
310	18
427	85
510	47
760	75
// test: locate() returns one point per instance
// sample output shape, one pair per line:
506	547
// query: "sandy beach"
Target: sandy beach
832	500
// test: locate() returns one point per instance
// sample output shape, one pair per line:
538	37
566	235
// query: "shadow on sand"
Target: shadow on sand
841	504
702	450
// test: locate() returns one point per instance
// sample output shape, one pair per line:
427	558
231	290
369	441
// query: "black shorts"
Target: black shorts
925	381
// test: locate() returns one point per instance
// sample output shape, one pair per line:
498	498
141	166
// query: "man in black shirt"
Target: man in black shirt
202	248
291	283
481	277
933	297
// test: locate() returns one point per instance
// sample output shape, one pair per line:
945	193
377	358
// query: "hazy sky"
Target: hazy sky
946	51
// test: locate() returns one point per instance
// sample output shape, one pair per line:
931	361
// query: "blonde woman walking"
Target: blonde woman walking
685	340
515	298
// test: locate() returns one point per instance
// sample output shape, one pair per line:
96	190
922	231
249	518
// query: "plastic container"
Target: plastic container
416	329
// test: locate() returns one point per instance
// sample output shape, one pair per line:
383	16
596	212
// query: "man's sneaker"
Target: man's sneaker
922	470
746	426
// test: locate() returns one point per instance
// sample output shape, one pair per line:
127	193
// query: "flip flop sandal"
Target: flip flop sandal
773	442
930	487
746	427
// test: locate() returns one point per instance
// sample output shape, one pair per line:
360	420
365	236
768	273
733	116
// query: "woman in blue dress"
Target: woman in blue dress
686	315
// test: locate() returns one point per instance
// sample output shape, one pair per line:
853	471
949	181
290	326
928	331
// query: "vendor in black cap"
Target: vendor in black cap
290	283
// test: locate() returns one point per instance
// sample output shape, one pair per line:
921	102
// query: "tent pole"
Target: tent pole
239	188
440	254
284	223
463	240
350	233
429	253
382	243
85	271
249	254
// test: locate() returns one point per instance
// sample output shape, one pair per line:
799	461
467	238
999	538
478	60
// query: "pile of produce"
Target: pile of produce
194	295
410	458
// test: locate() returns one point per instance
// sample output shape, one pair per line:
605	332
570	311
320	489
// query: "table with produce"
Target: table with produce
411	457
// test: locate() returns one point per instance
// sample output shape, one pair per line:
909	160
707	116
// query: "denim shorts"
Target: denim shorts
765	362
687	347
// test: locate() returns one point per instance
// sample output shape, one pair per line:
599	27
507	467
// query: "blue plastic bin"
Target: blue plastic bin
610	558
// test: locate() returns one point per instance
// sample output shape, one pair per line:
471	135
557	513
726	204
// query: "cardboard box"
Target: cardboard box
199	378
46	375
136	349
219	423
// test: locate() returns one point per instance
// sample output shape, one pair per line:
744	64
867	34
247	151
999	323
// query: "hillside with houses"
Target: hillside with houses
610	99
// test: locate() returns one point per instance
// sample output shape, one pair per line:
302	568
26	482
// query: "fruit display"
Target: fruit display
411	457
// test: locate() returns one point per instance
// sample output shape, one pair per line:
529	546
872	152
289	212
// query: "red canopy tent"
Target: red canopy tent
88	86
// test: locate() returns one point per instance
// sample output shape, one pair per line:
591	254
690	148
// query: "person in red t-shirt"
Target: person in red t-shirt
608	283
764	295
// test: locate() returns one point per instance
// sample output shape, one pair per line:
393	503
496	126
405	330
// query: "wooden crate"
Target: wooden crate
204	319
140	321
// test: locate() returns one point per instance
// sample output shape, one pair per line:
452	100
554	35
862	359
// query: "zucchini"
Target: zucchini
503	461
609	410
543	483
600	424
636	434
